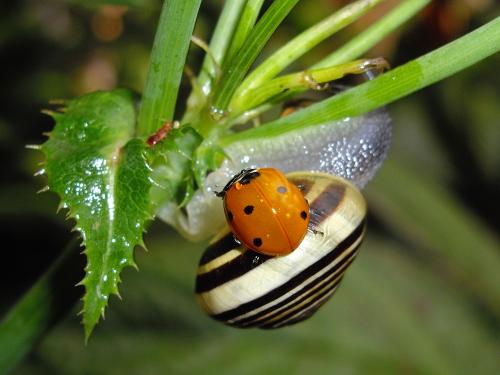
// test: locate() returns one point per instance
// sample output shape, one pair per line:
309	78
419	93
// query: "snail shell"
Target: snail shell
243	288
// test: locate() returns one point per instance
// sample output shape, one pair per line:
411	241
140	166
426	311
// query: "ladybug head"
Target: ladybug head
243	177
247	175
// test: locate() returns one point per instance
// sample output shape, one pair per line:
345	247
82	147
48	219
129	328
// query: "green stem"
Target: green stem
47	302
304	42
235	69
219	43
308	78
362	42
168	57
247	22
374	34
393	85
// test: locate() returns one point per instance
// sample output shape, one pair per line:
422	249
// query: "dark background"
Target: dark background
410	304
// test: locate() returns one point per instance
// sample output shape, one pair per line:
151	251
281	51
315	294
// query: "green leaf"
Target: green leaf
41	307
221	37
365	40
255	96
208	158
418	208
245	25
168	57
304	42
171	160
235	69
395	84
102	176
215	55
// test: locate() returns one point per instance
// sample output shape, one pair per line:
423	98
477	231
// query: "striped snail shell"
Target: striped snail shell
243	288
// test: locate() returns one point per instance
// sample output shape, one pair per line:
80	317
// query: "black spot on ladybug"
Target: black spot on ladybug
303	215
281	189
229	216
257	242
248	210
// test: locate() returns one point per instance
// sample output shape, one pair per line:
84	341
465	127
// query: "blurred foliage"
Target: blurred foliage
390	316
421	298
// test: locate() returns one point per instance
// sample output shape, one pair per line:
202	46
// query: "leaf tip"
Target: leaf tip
134	265
40	172
62	205
43	190
142	244
81	283
48	112
117	293
33	147
57	101
88	333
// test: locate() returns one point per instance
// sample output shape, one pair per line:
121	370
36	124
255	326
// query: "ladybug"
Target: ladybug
266	212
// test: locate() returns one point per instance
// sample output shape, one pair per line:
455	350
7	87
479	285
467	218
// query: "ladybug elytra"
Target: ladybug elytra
266	212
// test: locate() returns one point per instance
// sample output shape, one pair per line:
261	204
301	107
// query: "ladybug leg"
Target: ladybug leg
220	194
315	220
236	239
316	232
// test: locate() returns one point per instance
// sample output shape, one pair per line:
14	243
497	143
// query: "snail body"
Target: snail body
353	148
244	288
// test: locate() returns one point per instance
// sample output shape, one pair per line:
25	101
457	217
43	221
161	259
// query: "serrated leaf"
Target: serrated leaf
207	158
102	176
171	161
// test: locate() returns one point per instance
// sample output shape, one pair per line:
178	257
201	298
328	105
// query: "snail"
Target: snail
353	148
244	288
242	280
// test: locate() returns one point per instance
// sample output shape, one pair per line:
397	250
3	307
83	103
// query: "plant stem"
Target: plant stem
47	302
219	42
304	42
374	34
247	22
306	79
393	85
168	56
356	46
235	69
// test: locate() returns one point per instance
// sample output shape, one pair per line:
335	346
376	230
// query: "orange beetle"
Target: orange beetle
266	212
